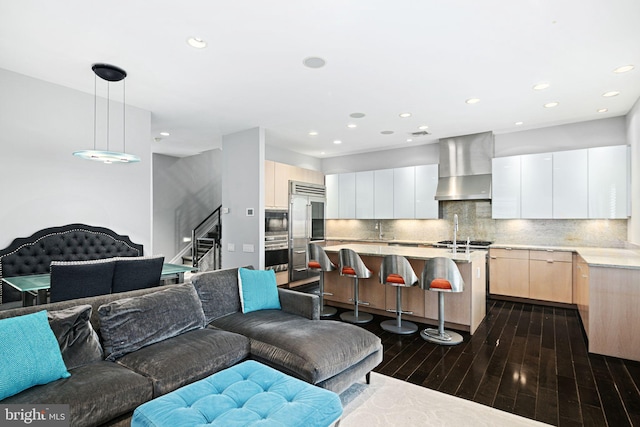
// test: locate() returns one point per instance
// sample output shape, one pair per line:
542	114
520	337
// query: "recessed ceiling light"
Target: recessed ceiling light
196	42
611	93
165	133
313	133
337	141
387	132
603	110
405	115
314	62
352	125
322	152
472	100
357	115
551	104
541	86
623	69
519	123
423	127
409	140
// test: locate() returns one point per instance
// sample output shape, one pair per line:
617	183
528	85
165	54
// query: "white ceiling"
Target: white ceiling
383	58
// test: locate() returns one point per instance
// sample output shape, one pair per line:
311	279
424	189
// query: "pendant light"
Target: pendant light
109	73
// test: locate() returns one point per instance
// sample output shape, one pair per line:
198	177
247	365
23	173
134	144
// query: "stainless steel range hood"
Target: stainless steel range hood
465	167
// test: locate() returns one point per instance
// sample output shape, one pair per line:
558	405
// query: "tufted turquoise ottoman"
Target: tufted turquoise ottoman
247	394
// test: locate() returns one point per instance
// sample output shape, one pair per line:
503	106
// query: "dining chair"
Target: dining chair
133	273
79	279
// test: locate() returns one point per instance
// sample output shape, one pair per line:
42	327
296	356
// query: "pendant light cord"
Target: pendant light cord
124	115
95	109
108	110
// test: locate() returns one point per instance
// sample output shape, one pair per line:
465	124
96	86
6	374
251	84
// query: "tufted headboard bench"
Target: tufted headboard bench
73	242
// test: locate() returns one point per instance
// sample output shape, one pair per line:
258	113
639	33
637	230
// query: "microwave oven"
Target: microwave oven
276	221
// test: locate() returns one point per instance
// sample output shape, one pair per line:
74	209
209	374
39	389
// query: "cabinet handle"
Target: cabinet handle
299	252
550	250
550	261
508	249
493	257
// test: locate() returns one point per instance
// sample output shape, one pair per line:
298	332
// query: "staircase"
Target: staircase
205	243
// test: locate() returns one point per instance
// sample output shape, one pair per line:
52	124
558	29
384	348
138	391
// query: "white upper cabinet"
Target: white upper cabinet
404	188
505	187
347	198
383	194
333	196
570	184
608	182
426	186
536	185
364	195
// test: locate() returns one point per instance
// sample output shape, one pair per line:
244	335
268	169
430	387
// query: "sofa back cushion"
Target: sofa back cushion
76	337
129	324
218	290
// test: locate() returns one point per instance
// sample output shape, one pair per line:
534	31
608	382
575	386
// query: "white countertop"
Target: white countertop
409	252
602	257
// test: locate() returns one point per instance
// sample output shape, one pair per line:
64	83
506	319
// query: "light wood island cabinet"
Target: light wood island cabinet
463	311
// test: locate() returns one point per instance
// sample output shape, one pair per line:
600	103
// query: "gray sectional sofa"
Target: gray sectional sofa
153	341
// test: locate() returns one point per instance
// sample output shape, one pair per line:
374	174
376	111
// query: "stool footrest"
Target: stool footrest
327	293
359	302
393	310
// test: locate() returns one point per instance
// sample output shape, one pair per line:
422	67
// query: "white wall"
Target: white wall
288	157
242	188
428	154
185	191
44	185
593	133
633	138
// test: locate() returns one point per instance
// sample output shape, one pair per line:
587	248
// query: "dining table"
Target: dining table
34	287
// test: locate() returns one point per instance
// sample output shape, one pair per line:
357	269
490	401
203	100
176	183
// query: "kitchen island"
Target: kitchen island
463	311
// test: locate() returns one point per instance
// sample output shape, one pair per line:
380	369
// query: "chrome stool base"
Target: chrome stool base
350	316
405	327
447	337
327	311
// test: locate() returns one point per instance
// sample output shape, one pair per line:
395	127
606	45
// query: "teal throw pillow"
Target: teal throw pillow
258	290
29	352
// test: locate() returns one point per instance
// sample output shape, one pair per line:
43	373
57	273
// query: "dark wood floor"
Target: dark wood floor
524	359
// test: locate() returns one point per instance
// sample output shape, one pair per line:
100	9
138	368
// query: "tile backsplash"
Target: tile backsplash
474	221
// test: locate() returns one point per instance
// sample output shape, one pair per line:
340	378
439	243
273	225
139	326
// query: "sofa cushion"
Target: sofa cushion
218	291
79	343
96	393
312	350
258	290
129	324
29	353
180	360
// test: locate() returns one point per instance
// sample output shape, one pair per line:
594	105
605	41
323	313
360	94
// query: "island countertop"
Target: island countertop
409	252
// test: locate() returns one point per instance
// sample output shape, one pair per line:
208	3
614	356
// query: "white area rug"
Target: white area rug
390	402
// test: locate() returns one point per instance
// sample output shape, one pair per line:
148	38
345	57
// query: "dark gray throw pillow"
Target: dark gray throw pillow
79	343
129	324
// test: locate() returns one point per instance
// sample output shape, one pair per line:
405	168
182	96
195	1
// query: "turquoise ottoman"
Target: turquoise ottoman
247	394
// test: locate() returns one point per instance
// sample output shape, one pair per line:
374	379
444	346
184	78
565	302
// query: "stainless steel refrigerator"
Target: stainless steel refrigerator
306	224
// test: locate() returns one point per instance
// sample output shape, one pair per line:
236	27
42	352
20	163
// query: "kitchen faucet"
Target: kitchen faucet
455	233
379	227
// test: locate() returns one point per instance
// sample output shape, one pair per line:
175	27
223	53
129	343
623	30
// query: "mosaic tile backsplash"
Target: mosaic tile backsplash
474	221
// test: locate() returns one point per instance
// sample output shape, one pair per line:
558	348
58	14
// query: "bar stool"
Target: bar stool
351	265
441	275
395	270
318	260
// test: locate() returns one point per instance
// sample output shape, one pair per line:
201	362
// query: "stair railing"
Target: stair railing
211	224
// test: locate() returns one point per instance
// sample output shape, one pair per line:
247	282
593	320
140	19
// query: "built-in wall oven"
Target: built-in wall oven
276	239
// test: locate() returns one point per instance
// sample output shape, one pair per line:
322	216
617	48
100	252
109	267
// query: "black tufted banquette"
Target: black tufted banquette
73	242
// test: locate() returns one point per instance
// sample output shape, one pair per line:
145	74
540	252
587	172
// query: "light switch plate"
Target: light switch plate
231	247
247	248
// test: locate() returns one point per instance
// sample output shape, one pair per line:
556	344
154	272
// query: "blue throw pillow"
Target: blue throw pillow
258	290
29	352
